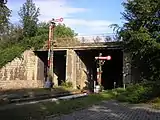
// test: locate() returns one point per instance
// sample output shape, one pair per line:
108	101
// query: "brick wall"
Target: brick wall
22	72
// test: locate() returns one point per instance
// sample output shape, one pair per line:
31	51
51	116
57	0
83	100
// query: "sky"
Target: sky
86	17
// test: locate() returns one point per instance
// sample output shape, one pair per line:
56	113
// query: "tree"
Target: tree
97	39
141	36
116	30
107	39
5	13
116	27
29	35
84	40
63	36
29	17
62	31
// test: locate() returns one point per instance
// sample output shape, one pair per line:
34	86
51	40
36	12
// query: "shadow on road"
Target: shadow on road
112	110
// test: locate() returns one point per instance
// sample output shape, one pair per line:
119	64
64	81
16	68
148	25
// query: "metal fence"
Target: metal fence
110	37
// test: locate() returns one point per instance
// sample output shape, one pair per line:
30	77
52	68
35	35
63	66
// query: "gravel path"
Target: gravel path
112	110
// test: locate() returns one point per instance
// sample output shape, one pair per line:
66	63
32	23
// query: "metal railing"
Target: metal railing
110	37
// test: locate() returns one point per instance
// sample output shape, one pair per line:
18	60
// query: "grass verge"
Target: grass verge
133	94
8	96
40	110
140	93
155	103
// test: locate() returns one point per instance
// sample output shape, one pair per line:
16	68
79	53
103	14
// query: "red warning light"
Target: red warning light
59	20
104	58
109	57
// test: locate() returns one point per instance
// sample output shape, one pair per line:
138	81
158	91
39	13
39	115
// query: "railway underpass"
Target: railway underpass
78	65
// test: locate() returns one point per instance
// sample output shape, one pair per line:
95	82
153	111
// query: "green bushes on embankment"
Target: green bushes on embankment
139	93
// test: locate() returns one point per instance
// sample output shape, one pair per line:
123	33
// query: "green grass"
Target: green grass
155	103
40	110
37	91
133	94
8	95
140	93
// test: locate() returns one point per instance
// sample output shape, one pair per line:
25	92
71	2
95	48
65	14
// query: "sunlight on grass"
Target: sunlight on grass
40	110
155	103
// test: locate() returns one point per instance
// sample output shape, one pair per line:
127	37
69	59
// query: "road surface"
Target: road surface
112	110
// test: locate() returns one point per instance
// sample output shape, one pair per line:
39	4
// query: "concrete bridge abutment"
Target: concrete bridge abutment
70	64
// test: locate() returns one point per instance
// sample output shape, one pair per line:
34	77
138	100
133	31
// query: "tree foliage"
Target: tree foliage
141	36
62	31
29	35
107	39
97	39
29	17
5	13
63	35
83	40
13	37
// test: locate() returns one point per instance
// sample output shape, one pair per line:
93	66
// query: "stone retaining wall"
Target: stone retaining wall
22	72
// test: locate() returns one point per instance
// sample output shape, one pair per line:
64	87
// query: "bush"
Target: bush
101	87
9	53
50	77
67	84
118	91
132	94
141	92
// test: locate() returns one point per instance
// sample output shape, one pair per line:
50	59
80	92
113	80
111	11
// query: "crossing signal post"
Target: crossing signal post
50	51
100	62
51	42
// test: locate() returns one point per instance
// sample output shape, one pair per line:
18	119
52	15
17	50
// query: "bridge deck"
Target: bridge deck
89	46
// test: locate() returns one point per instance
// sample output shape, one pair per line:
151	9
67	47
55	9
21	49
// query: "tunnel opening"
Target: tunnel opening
59	66
43	55
87	57
112	69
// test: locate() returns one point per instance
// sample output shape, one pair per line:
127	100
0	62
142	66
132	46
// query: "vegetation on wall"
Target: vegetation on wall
28	34
5	13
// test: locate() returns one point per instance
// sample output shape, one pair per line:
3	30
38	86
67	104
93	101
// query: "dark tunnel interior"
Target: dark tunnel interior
112	69
43	55
59	65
